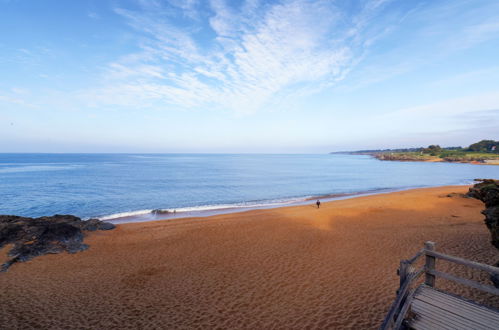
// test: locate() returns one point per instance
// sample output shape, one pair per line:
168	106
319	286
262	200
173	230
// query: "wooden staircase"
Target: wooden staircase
425	307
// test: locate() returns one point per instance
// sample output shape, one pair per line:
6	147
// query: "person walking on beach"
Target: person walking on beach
318	203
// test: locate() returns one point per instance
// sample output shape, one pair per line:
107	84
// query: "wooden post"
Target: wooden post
429	264
403	271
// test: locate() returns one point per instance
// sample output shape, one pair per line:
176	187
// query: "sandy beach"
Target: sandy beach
287	268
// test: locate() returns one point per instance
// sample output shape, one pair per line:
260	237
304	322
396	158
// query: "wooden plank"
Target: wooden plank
443	319
435	322
422	325
425	324
473	284
404	309
449	319
460	308
437	294
481	313
389	319
461	261
416	257
415	274
434	319
451	316
479	316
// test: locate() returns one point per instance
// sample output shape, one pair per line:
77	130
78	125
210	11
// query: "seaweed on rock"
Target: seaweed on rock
34	237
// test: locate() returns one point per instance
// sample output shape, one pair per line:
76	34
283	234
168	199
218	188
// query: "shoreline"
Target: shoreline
292	267
429	159
441	160
231	213
221	209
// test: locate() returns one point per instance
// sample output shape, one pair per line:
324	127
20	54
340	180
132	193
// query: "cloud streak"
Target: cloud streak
243	58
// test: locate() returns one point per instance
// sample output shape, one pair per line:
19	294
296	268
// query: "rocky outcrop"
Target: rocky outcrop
32	237
487	190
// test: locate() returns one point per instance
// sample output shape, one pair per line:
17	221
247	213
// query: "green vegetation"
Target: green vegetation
485	146
433	150
485	151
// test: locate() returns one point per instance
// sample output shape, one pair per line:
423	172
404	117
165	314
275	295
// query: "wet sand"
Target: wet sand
287	268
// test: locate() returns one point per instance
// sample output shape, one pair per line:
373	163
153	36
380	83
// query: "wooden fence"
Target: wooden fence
409	275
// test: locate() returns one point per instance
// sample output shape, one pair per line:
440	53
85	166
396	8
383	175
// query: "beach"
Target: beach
295	267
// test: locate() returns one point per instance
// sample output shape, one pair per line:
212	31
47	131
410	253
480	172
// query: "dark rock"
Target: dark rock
451	195
492	222
487	190
160	211
34	237
96	224
106	226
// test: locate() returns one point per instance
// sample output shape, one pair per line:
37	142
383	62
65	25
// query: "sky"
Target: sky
220	76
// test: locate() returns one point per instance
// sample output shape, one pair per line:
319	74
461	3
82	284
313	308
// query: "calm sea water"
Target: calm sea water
111	186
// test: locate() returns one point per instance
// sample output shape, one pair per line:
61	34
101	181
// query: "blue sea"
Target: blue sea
128	187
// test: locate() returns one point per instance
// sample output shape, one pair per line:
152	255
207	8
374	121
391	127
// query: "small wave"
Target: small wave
211	209
37	168
125	214
237	205
204	208
143	157
216	207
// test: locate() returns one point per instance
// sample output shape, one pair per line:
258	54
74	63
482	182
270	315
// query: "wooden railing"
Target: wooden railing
409	274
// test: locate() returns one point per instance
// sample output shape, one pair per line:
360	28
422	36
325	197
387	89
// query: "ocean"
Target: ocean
128	187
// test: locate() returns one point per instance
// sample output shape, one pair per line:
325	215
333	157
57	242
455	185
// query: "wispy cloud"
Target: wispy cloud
241	58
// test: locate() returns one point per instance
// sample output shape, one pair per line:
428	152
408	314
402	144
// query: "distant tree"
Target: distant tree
490	146
433	150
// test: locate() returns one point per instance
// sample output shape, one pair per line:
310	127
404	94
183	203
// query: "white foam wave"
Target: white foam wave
206	208
125	214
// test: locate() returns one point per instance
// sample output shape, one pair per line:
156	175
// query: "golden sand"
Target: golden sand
287	268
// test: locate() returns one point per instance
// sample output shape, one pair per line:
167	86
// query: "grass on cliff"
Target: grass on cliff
449	155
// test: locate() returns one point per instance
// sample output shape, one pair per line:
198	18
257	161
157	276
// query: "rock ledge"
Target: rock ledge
34	237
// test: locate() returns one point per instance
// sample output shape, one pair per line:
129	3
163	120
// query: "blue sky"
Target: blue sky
246	76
